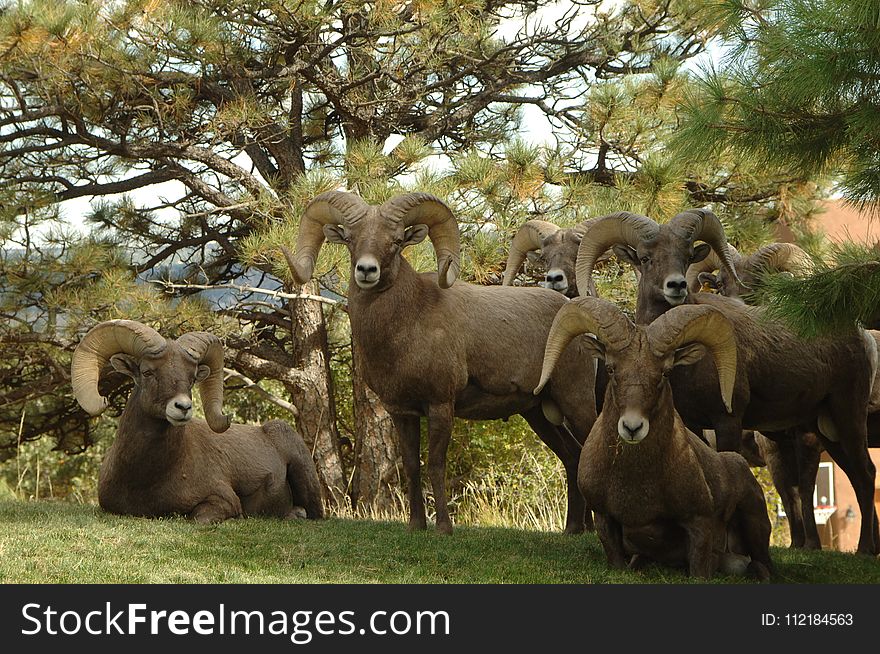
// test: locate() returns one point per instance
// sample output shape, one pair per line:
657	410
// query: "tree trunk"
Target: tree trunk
376	457
314	396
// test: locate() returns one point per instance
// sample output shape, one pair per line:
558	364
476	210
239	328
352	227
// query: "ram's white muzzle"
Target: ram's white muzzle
179	409
632	427
556	279
675	289
367	272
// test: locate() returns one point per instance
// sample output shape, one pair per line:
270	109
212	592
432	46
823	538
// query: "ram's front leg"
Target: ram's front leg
440	417
217	508
702	536
611	536
408	432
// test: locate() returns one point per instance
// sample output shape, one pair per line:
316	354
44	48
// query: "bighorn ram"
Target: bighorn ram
784	381
165	462
792	461
558	248
772	258
437	350
658	491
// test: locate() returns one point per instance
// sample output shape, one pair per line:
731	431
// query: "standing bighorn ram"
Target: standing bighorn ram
164	461
784	381
437	350
658	491
793	460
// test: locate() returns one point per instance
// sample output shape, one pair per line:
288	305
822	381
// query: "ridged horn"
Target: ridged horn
207	349
94	351
703	225
426	209
622	227
581	228
584	315
330	208
699	324
779	257
711	263
528	238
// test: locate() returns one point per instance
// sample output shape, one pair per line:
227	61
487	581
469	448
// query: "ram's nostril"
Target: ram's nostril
632	429
554	278
183	406
366	269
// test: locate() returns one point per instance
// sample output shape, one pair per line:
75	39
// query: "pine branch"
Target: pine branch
828	301
250	383
243	290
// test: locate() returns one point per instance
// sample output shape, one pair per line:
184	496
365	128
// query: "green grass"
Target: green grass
57	542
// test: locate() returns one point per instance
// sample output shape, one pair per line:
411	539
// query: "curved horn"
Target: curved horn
581	228
330	208
94	351
426	209
207	349
710	264
528	238
703	225
699	324
779	257
584	315
602	233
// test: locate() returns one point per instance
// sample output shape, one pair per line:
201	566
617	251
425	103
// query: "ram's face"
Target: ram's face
558	256
163	385
637	384
662	263
375	245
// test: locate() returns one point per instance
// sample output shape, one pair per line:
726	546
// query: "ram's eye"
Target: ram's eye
667	372
645	259
609	369
148	373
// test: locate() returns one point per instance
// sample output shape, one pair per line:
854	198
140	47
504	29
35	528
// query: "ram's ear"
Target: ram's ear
126	364
202	373
701	251
414	234
335	234
689	354
594	346
628	254
708	279
534	257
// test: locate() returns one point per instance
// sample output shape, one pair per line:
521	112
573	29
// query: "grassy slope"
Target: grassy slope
43	542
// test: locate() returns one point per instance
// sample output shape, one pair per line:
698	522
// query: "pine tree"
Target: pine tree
252	108
799	92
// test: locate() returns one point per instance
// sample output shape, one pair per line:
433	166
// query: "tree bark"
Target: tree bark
376	456
313	397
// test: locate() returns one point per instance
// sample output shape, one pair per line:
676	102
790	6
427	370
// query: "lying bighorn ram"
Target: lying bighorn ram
658	491
164	461
434	349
